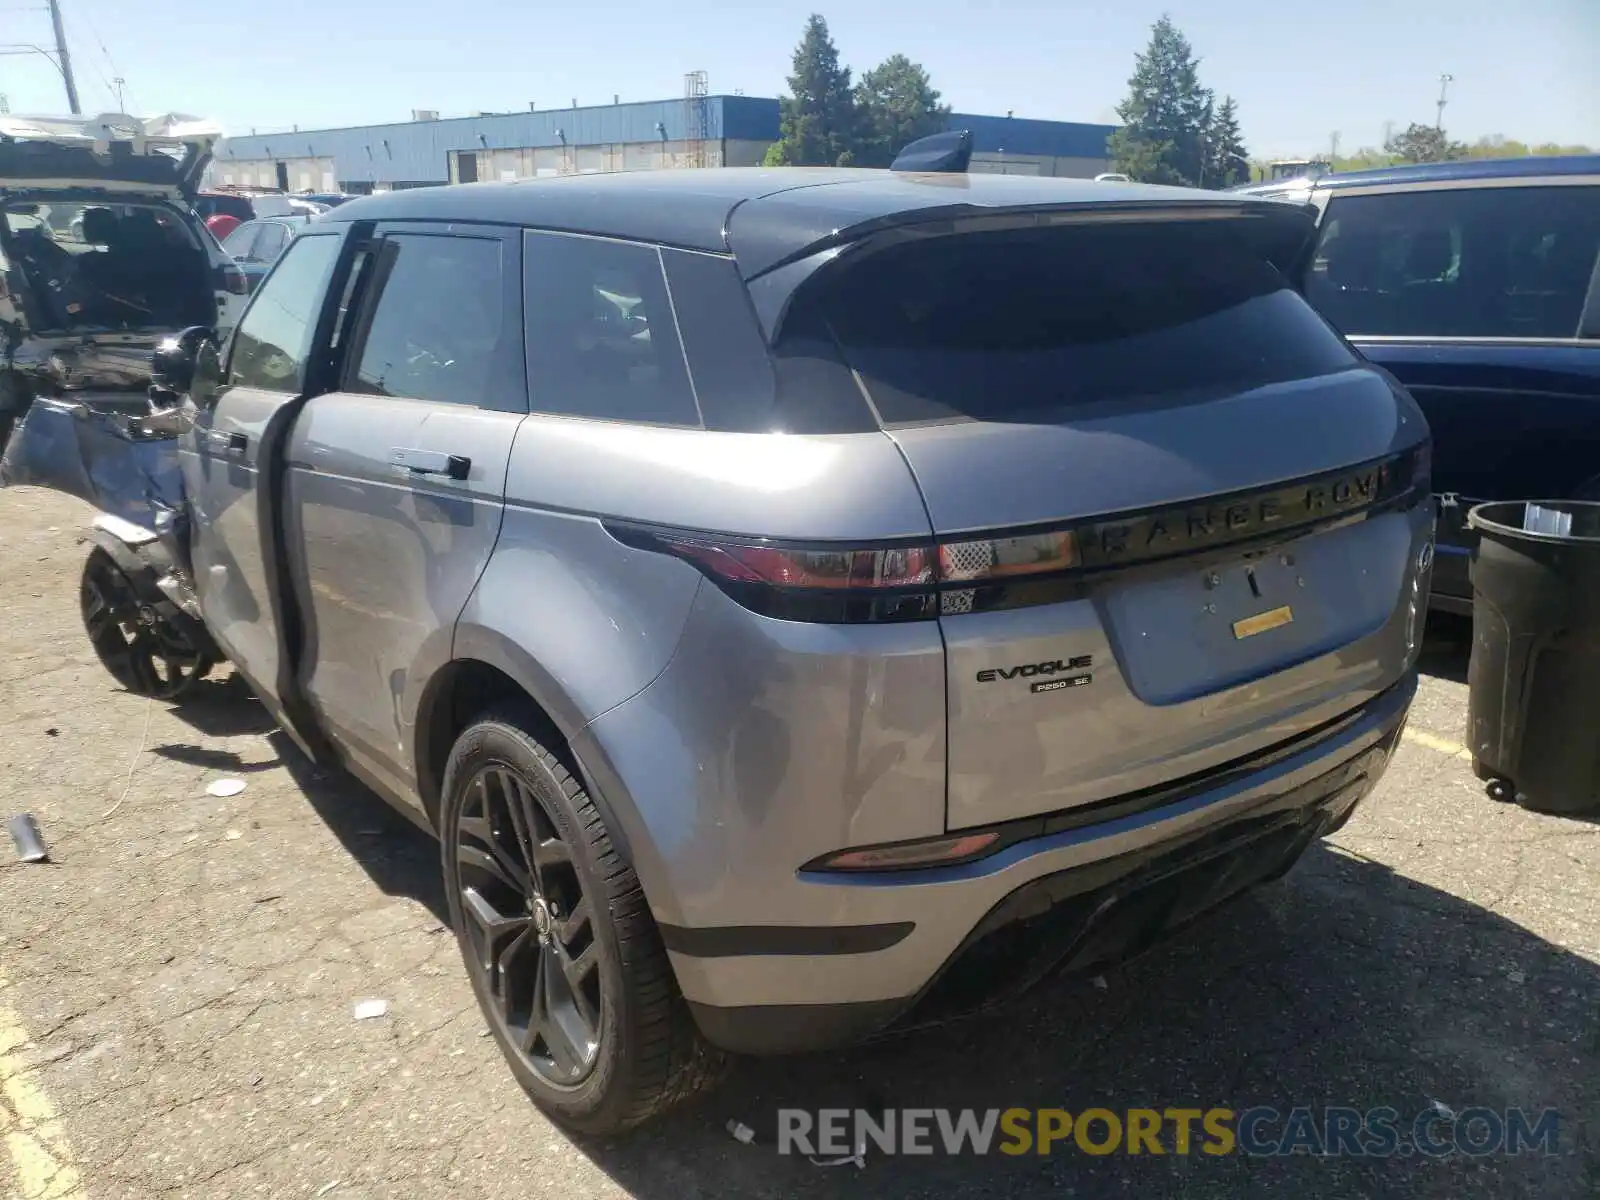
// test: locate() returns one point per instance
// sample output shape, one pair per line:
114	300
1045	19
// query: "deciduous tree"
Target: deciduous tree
895	104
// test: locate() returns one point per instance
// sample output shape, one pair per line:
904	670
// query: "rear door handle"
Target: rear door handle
430	462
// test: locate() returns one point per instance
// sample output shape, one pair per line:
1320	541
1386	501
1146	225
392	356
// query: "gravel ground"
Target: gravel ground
176	989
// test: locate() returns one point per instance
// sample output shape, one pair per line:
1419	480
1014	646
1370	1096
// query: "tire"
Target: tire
145	654
592	961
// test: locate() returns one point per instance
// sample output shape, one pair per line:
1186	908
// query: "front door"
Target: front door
237	429
396	481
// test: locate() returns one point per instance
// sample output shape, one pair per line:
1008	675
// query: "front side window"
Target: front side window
601	338
1484	262
439	322
273	340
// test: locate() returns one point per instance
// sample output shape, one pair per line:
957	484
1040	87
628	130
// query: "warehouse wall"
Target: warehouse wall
304	174
1037	164
737	131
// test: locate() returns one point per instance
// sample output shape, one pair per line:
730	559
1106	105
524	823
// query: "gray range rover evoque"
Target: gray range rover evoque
811	604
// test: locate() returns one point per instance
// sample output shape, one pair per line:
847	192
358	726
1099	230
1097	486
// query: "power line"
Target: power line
105	81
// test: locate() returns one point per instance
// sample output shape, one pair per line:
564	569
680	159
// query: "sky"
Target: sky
1526	69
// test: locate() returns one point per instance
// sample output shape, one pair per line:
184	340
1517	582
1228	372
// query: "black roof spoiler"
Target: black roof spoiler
943	152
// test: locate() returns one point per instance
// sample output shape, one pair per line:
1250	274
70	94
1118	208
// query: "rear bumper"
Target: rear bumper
1071	900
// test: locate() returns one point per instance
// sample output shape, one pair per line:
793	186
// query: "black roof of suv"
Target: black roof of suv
763	216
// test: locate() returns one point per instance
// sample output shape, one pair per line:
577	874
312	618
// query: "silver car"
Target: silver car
809	605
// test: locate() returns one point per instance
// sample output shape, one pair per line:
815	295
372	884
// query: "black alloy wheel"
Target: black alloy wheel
529	926
147	654
566	961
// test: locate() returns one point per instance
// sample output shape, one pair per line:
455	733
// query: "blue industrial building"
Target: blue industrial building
696	131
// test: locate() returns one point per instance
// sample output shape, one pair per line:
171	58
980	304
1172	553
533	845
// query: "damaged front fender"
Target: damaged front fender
125	465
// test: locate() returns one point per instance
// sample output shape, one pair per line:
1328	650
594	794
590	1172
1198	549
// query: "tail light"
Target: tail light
911	581
233	281
852	584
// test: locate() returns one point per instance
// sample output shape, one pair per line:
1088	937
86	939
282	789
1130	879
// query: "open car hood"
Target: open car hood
164	155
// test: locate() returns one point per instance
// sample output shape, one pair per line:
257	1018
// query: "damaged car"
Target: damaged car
805	608
101	255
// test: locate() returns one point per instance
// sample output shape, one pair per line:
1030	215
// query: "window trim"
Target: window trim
508	379
1585	332
655	249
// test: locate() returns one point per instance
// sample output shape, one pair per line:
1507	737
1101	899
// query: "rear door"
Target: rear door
396	479
1149	464
1472	296
235	435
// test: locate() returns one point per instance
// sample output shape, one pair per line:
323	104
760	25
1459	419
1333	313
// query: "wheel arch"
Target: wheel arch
489	672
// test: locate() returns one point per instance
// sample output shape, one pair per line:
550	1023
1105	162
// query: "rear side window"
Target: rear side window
438	327
1485	262
601	338
1015	325
273	341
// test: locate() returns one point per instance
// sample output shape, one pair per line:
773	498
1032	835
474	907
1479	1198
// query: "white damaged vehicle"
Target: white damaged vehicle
102	256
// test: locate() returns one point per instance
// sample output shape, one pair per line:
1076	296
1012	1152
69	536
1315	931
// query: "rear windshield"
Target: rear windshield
1019	325
96	266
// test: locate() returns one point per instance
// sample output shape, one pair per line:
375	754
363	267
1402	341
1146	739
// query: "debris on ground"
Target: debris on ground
233	835
326	1188
741	1132
30	842
223	788
1518	977
1100	982
366	1010
1443	1109
859	1158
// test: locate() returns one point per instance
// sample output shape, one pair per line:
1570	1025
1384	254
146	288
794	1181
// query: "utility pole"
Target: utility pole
119	83
1444	84
1333	148
63	60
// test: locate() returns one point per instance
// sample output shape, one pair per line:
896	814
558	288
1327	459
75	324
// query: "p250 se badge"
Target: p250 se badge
1058	673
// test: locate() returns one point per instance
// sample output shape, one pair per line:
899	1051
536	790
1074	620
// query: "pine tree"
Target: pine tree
1229	161
1163	137
895	105
818	122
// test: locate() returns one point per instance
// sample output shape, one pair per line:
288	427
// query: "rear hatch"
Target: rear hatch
1186	511
163	155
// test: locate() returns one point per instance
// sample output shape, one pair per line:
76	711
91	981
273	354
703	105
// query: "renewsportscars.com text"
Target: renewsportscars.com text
1329	1131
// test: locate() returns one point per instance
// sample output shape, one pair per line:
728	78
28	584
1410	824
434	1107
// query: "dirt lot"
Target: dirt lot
176	990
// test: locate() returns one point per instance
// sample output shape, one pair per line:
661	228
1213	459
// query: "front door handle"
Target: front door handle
430	462
234	445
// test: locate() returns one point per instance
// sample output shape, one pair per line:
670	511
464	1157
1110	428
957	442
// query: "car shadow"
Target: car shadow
222	706
400	858
1447	647
1345	984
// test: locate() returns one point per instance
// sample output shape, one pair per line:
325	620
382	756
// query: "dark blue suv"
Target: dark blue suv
1476	285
